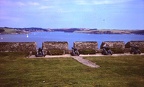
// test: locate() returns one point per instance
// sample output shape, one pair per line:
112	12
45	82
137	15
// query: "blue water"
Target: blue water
40	37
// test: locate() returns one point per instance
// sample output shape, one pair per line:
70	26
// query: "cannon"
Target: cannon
106	50
40	53
135	50
75	52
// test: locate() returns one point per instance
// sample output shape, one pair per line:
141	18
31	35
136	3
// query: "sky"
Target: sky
100	14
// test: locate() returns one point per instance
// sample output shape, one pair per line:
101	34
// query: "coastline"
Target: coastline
7	30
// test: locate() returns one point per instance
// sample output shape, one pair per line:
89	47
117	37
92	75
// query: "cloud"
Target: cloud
45	7
109	1
99	2
81	2
20	4
27	3
41	5
33	3
61	10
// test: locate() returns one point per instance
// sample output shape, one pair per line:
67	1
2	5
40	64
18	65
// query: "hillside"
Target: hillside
7	30
100	31
138	32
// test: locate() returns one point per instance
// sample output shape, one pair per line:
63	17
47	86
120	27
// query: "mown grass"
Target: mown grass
18	71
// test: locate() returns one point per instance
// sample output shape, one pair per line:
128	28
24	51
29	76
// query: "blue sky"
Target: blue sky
101	14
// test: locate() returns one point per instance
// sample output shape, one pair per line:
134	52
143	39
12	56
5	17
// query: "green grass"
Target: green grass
18	71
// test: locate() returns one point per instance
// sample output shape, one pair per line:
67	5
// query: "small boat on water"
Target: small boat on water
27	35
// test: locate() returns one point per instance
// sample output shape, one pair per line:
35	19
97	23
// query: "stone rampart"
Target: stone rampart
55	47
140	44
17	47
116	46
59	47
86	47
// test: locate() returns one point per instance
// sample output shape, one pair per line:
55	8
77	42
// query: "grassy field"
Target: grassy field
123	71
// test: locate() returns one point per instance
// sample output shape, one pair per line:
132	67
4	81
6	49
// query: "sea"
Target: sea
40	37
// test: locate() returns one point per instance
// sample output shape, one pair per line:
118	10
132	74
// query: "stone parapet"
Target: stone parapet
61	47
55	47
116	46
17	47
140	44
86	47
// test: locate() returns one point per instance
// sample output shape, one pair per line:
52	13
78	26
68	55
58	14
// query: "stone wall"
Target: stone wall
55	47
116	46
140	44
86	47
17	46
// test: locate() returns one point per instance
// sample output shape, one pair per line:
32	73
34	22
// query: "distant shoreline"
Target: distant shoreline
7	30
